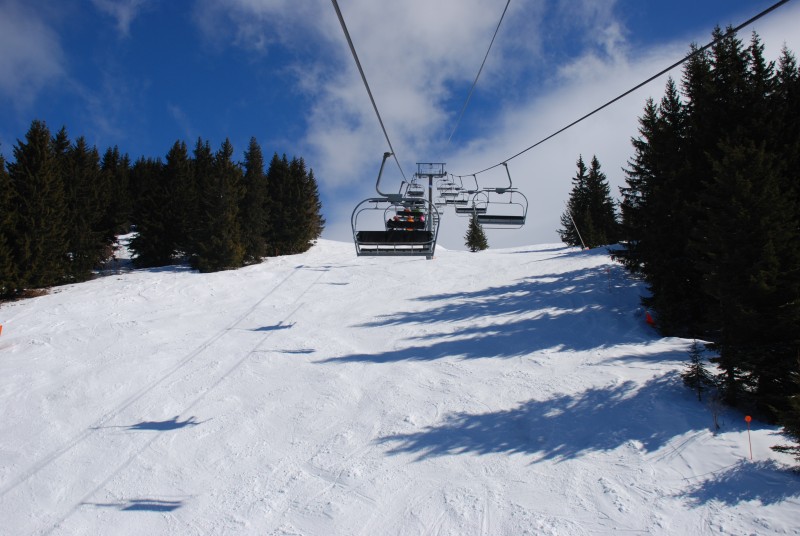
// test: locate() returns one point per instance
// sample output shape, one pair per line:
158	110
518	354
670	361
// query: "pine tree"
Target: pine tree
115	169
745	276
696	376
204	182
475	238
748	225
152	245
790	416
281	199
571	230
311	221
590	217
640	177
255	205
221	247
298	205
87	201
38	194
658	213
711	215
605	226
8	269
181	208
671	216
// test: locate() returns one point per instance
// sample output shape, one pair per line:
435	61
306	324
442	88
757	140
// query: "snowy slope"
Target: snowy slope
510	391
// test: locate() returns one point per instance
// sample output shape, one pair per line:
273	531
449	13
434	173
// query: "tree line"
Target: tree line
62	206
710	218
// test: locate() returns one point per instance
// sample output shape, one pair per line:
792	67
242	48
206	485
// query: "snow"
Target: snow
514	391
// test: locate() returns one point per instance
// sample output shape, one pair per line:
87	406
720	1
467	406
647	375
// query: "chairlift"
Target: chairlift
462	199
470	210
408	225
476	204
415	189
505	208
447	187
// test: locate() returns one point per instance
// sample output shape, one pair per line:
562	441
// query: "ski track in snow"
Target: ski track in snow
505	392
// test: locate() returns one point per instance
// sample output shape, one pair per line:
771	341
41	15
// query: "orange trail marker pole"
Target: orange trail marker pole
747	419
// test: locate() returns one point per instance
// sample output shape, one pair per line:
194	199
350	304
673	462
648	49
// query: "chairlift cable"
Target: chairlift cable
366	84
469	95
638	86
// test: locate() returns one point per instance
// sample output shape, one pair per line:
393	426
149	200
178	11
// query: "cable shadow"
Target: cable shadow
763	481
561	428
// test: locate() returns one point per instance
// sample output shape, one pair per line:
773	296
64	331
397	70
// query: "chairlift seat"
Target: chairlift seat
400	225
501	219
393	237
395	243
470	210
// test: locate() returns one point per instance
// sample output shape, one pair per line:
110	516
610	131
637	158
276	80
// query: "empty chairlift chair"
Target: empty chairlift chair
501	208
415	190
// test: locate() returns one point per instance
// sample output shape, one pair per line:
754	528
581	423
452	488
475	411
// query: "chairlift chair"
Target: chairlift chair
476	204
408	225
505	208
415	190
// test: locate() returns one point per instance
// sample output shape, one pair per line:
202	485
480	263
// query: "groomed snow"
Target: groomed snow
513	391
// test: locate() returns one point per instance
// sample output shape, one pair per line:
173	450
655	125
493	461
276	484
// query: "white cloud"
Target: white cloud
124	11
414	54
183	121
32	56
420	58
255	24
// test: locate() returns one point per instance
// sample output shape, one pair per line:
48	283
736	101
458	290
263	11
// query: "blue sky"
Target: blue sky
141	74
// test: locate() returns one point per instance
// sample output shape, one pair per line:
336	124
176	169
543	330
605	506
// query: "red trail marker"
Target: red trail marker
747	419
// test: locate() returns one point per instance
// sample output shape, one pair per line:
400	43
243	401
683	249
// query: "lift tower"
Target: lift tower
431	170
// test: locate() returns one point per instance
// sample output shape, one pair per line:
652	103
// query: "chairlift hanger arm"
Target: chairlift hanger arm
386	155
510	184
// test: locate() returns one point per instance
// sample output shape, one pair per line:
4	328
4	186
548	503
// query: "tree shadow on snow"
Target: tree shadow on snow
578	310
552	292
763	481
564	427
563	250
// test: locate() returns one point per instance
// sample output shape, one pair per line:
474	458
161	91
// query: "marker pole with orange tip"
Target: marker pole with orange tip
747	419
